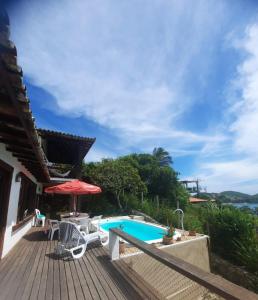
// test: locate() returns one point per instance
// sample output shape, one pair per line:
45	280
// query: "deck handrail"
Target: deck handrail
214	283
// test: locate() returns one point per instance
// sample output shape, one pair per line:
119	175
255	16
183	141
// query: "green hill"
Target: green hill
231	197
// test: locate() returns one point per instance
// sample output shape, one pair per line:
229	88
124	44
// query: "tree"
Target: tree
117	177
162	156
145	165
160	180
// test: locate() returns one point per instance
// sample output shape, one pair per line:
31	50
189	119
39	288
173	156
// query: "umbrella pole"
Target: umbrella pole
74	204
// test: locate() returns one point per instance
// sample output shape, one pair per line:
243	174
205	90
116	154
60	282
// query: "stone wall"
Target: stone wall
235	274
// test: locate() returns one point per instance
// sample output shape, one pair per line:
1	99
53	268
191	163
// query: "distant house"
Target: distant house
199	200
30	158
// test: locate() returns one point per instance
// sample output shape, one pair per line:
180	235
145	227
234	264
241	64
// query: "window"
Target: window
27	200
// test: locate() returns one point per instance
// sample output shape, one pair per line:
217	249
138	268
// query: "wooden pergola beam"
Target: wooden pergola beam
12	142
23	155
12	131
12	82
11	125
19	149
28	160
7	111
10	120
12	138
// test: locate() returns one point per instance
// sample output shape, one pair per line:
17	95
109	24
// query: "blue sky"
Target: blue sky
136	75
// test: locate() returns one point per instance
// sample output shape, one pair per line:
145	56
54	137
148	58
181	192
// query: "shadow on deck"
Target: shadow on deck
32	271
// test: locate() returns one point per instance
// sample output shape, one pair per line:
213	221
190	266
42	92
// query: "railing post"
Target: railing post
113	245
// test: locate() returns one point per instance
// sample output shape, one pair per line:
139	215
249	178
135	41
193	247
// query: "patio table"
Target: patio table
74	219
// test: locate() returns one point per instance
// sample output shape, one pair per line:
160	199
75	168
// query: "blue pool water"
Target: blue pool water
141	231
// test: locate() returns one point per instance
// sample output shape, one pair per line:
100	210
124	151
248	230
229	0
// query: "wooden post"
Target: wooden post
198	188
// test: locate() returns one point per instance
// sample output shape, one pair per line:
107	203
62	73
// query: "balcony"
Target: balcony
32	271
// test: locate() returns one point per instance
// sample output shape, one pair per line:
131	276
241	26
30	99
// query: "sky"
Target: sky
182	75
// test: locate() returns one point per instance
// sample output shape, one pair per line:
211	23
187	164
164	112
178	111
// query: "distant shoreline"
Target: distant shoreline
240	202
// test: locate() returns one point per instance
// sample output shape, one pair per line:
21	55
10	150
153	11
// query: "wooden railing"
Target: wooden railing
213	283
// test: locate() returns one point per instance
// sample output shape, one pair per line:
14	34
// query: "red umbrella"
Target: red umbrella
74	188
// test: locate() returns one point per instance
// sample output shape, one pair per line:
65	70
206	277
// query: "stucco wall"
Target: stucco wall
195	252
10	238
167	282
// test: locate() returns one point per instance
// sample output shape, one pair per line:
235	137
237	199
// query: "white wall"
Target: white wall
10	238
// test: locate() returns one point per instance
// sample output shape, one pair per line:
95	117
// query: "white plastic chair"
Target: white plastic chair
53	227
74	241
40	218
84	225
94	225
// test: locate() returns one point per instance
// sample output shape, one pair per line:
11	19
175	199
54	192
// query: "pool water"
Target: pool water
141	231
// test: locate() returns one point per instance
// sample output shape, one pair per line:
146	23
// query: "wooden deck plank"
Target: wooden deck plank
12	282
43	279
128	289
118	285
94	278
85	287
69	280
87	278
10	257
50	274
101	280
33	272
25	273
11	265
63	282
107	284
36	283
56	288
143	288
76	281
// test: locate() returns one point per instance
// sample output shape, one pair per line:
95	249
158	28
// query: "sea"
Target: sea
250	205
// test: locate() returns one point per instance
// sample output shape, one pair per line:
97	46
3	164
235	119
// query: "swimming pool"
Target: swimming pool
140	230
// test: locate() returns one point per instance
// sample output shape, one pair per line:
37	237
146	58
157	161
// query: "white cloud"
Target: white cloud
239	175
237	168
129	66
123	65
97	154
246	125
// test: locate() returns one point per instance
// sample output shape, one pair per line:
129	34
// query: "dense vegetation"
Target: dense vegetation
137	179
147	182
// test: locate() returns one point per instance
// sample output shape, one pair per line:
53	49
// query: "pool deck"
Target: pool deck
32	271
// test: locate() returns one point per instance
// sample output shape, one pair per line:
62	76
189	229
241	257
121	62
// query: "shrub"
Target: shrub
247	254
192	222
227	225
130	201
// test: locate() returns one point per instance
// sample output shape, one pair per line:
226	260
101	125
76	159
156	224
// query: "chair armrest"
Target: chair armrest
83	234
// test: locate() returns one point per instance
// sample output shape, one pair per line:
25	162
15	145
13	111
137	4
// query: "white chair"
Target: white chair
25	213
74	241
94	225
40	218
84	225
53	227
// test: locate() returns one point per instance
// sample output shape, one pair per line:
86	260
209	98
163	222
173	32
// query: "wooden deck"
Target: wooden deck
32	271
